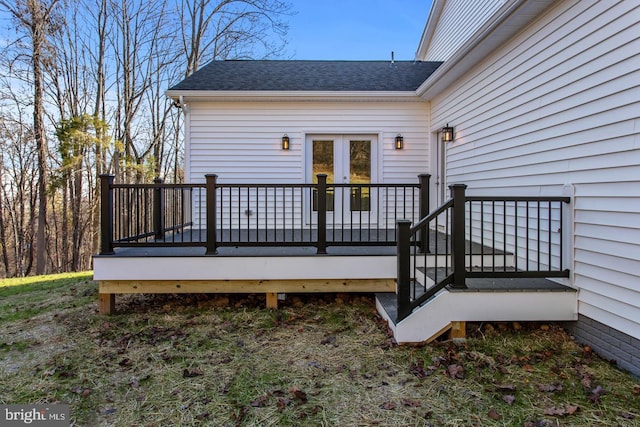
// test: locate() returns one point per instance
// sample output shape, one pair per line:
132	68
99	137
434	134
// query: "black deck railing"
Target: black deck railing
217	214
479	237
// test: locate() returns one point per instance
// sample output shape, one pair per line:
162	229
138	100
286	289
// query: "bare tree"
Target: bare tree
231	29
36	18
18	167
99	79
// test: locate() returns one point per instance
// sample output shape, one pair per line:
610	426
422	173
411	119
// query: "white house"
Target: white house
544	101
544	97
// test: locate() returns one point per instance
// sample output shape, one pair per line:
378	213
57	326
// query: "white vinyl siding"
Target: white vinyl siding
560	104
458	21
241	143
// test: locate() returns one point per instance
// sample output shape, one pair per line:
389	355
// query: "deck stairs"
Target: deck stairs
483	299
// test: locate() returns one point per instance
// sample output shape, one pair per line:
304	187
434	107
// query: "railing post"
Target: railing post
106	214
458	227
158	212
403	250
321	244
212	237
424	210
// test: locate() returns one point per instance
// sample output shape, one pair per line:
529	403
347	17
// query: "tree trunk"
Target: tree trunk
39	133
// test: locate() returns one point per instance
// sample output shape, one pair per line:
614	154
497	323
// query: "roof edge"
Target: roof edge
267	95
430	27
511	18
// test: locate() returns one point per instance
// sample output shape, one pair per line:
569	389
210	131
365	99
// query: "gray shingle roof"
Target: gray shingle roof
309	76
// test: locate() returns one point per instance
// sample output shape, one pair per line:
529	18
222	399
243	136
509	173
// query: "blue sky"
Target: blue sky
356	29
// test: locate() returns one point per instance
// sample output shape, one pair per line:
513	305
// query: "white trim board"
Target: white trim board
244	268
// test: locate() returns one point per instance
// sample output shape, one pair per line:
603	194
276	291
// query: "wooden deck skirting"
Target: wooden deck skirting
109	288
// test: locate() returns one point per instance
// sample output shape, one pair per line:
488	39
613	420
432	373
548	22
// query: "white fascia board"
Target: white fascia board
430	27
265	95
510	19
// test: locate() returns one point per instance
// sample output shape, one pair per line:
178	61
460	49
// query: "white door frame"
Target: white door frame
341	167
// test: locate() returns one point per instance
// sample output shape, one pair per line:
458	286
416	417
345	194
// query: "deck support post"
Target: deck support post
272	300
458	330
158	203
107	303
458	226
424	210
106	214
212	238
403	250
322	213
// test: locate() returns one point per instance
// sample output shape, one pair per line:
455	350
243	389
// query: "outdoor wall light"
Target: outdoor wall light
285	142
399	142
447	133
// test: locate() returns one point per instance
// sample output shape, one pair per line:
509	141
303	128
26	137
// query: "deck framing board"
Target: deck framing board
246	286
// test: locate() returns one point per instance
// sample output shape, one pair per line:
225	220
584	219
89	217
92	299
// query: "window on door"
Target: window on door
344	159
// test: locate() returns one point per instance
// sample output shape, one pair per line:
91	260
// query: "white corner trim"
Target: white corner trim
437	6
511	18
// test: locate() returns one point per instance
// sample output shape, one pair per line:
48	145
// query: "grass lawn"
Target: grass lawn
324	360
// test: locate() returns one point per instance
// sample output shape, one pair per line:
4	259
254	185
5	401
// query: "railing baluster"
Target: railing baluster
458	238
158	210
403	231
212	240
106	214
321	243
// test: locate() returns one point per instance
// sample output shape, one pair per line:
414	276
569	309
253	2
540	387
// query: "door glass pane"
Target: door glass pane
360	173
323	162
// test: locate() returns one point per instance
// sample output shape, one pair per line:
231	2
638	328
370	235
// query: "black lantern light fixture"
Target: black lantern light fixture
447	133
285	142
399	142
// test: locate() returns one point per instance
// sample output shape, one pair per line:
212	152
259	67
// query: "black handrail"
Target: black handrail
217	214
527	229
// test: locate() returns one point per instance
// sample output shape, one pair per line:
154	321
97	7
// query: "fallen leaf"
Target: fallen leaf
595	394
509	398
298	394
549	388
636	389
390	406
411	402
455	371
418	370
259	402
571	409
328	340
585	378
553	411
192	373
282	403
86	392
527	367
493	414
506	387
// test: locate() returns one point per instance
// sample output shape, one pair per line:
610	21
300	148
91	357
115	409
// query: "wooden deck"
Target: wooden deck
162	266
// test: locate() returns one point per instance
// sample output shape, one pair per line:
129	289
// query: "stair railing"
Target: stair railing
521	235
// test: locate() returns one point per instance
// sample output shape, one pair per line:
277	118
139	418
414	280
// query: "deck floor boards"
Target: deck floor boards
191	243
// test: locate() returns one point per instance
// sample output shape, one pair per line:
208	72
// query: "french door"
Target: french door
345	159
